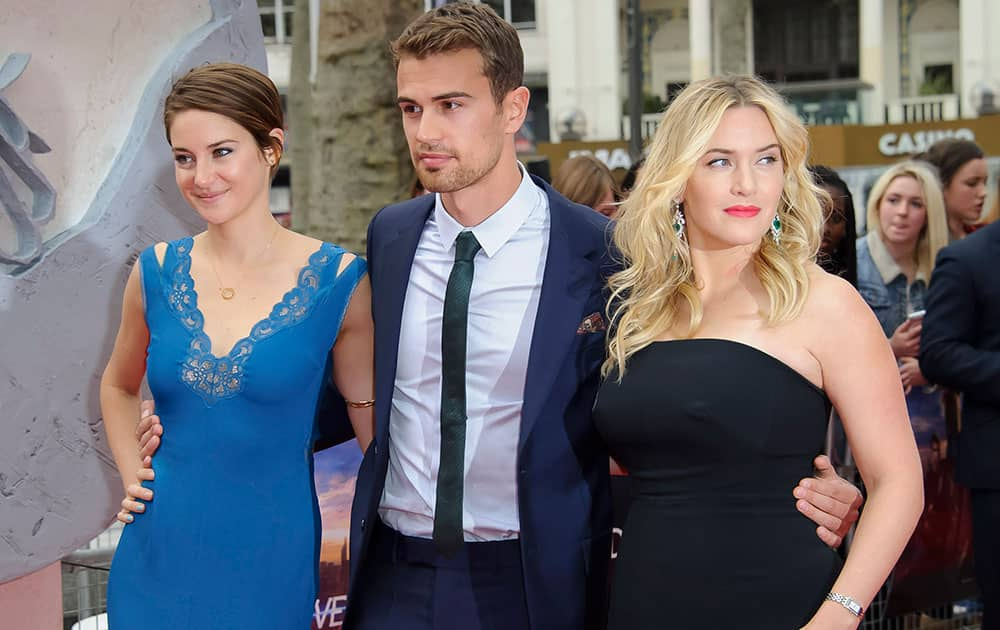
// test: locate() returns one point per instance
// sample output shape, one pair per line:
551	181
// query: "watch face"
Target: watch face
847	602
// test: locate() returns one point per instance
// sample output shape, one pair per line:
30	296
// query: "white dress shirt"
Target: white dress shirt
503	303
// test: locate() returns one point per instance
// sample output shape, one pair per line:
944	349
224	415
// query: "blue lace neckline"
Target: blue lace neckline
215	378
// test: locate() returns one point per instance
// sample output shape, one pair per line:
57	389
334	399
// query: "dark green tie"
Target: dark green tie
451	471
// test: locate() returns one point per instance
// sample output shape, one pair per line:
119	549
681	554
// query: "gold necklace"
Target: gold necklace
229	293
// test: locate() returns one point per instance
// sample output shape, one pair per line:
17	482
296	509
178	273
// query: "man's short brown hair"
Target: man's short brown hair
464	26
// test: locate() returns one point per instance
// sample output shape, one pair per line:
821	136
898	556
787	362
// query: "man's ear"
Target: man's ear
515	108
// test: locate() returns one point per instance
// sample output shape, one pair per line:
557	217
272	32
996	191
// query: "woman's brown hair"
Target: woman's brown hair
244	95
585	180
949	155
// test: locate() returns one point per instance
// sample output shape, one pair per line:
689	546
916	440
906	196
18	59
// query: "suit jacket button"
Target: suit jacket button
375	449
363	524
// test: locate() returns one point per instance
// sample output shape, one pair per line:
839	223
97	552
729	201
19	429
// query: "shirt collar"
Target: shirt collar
887	267
496	230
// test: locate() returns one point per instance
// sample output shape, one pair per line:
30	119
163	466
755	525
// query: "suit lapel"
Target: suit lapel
567	283
396	259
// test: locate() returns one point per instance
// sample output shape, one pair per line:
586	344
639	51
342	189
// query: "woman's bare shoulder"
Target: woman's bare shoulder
834	307
302	243
305	246
828	291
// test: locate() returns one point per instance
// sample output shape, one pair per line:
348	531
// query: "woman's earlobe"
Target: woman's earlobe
272	155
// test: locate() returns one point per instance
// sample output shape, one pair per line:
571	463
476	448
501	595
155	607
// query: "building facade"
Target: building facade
837	61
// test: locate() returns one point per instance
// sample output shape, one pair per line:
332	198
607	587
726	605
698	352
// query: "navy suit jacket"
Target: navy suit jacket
960	347
563	483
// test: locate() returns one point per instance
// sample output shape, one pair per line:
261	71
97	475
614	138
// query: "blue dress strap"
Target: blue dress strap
150	274
342	285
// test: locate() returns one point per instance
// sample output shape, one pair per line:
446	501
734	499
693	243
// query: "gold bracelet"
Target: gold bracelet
360	404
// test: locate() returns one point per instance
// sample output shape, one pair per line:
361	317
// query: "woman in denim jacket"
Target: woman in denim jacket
906	228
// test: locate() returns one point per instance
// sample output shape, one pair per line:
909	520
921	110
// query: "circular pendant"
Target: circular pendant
227	293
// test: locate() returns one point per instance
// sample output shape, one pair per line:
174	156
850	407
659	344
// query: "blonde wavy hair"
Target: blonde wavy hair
657	273
934	236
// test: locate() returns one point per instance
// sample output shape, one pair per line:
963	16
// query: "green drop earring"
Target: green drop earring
679	220
776	229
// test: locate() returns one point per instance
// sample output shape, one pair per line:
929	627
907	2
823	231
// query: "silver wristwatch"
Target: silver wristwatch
847	602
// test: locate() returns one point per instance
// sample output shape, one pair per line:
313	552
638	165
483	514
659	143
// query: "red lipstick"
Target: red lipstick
744	212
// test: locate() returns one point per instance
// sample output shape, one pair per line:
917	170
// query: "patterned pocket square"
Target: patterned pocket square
592	323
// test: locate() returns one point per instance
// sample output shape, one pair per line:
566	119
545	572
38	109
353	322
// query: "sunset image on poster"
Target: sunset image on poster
335	473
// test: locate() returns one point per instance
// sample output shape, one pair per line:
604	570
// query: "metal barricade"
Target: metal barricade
85	582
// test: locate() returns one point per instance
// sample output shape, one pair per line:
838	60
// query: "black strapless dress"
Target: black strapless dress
715	435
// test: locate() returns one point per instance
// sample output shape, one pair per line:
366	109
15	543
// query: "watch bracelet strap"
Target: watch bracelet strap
849	603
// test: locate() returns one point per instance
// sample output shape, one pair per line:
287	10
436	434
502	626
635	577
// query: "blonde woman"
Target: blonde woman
728	345
907	226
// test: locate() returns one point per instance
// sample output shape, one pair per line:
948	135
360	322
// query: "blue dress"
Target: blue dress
231	538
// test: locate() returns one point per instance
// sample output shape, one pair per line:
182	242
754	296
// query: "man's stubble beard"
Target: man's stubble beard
461	176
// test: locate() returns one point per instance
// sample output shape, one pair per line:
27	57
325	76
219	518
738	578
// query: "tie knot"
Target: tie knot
466	246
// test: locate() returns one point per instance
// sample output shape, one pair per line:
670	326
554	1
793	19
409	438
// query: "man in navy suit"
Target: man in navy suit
483	501
960	349
534	535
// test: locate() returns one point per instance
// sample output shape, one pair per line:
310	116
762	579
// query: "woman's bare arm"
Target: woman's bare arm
122	379
861	378
354	363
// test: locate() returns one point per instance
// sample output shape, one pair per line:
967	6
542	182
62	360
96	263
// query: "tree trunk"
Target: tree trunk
348	153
